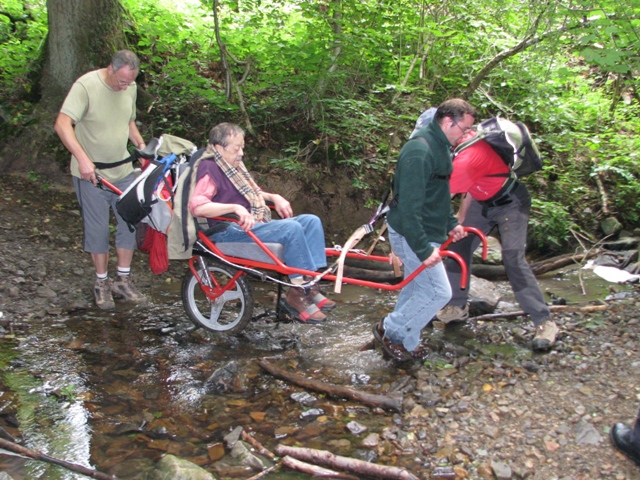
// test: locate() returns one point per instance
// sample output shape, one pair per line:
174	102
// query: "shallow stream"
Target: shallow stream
115	391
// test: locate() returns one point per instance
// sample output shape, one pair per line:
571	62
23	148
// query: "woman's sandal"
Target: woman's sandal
310	315
301	308
323	303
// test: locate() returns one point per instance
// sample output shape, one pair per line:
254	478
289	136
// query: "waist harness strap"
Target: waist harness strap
502	196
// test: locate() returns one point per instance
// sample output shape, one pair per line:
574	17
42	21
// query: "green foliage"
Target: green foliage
334	87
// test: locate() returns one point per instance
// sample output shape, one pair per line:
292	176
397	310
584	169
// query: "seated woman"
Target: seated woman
224	186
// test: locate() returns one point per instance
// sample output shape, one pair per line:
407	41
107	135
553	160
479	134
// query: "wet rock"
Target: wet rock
215	451
443	473
241	451
5	476
366	455
372	440
303	398
311	414
173	467
356	428
360	379
483	296
222	378
232	437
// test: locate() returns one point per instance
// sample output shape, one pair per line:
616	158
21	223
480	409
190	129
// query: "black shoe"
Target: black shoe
622	439
394	351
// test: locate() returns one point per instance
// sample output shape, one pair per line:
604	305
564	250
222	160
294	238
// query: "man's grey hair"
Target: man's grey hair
455	109
221	133
124	58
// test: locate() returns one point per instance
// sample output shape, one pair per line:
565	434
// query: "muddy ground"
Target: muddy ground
483	409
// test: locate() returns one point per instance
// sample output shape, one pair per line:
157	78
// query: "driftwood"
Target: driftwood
314	470
359	467
497	272
19	449
392	401
553	308
290	462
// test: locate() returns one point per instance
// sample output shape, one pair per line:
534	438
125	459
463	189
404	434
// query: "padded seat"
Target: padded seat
251	251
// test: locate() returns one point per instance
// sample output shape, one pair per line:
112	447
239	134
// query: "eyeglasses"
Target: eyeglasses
463	130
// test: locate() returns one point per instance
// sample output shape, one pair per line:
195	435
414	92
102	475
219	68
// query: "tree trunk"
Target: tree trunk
83	36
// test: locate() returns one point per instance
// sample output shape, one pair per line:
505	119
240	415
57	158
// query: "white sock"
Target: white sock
124	272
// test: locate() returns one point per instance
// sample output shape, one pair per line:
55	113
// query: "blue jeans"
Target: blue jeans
512	220
419	300
302	237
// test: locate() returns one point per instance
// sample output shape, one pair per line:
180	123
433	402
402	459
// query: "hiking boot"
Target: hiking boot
320	301
546	334
102	293
301	308
124	288
392	350
451	313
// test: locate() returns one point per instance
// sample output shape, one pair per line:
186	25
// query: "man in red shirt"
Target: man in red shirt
494	196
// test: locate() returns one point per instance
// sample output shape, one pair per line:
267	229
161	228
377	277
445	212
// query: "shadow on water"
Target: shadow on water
117	390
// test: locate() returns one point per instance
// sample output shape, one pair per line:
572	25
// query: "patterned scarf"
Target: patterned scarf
242	180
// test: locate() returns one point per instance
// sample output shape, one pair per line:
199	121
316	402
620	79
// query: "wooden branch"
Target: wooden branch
525	43
19	449
553	308
392	401
359	467
257	445
314	470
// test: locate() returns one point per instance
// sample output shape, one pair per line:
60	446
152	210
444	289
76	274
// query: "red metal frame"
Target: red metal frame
279	267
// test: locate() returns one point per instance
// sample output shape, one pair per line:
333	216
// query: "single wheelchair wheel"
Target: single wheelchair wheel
230	312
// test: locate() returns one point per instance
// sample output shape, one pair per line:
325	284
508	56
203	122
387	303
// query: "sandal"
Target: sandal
301	308
315	295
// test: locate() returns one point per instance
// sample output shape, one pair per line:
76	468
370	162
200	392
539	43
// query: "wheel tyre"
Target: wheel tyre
229	313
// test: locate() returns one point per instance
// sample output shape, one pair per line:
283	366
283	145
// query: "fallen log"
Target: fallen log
553	308
19	449
497	272
392	401
359	467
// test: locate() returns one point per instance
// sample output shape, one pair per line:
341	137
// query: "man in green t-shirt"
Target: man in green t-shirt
95	122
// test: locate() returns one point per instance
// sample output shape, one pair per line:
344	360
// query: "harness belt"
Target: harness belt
502	197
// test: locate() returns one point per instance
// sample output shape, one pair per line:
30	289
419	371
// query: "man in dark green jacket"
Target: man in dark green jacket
421	220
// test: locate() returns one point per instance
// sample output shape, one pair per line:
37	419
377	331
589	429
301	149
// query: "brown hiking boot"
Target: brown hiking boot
102	294
322	302
394	351
124	288
301	307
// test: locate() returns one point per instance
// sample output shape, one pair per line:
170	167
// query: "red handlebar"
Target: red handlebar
463	266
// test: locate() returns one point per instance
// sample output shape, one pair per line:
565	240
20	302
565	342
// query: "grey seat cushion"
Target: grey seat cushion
251	251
